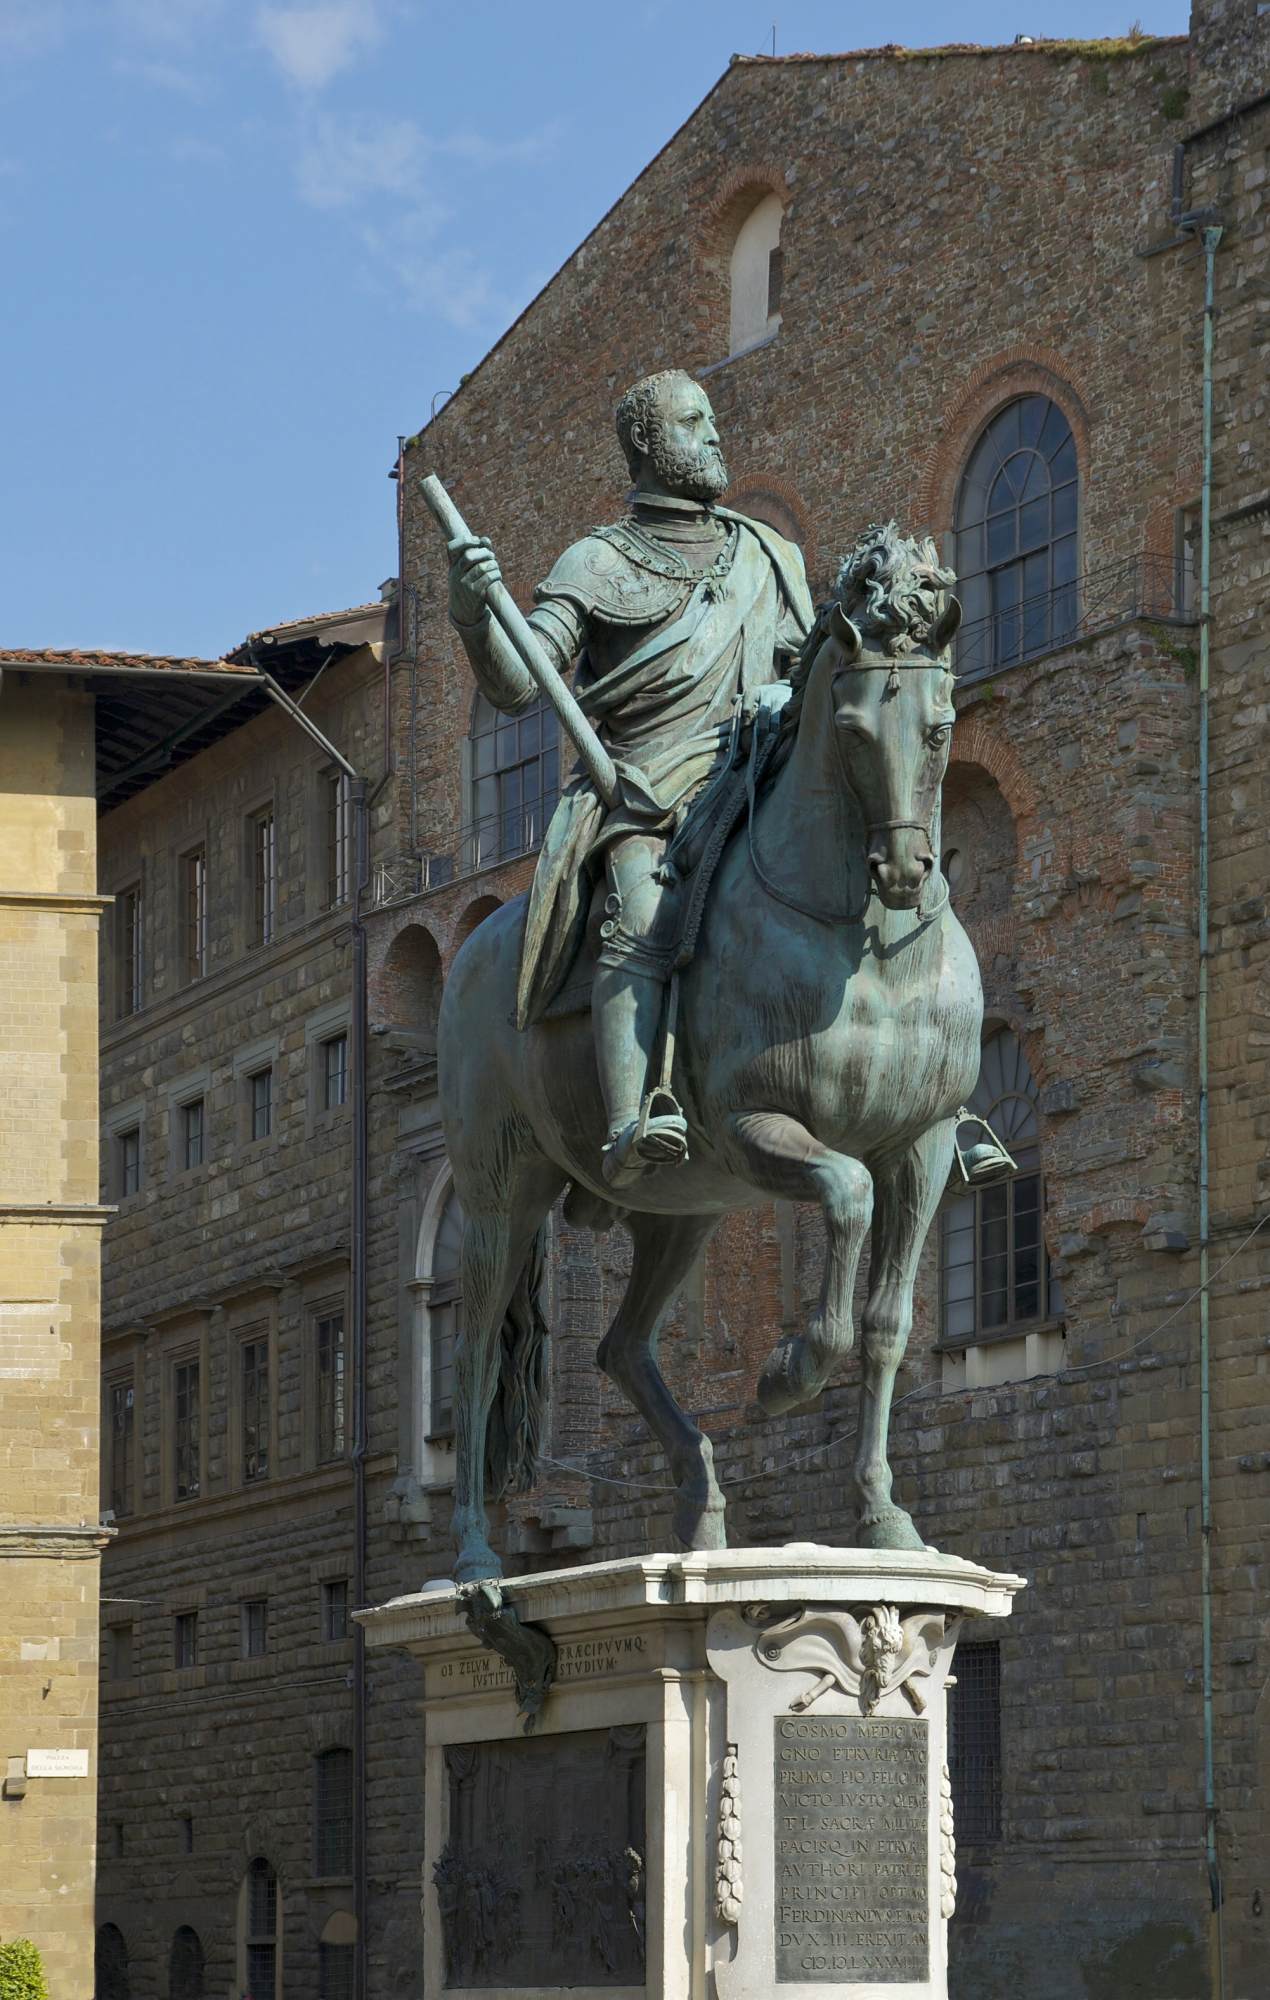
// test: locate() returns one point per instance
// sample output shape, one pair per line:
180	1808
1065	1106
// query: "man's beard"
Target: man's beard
692	475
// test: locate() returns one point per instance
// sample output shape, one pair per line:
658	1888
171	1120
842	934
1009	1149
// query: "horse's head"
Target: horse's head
879	649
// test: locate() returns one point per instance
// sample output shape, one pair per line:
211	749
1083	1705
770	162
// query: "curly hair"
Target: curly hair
639	406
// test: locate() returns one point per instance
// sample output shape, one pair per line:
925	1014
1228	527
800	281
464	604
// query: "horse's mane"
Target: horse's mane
892	587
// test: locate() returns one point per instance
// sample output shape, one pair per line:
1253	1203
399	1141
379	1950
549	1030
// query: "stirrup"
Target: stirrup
657	1138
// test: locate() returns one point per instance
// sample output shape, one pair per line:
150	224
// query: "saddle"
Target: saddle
691	862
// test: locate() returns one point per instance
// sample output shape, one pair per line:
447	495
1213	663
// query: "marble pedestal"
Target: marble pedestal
737	1788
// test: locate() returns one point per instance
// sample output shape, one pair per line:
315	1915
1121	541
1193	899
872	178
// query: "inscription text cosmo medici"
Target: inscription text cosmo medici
850	1821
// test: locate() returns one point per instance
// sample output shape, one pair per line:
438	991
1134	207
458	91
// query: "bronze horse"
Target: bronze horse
829	1028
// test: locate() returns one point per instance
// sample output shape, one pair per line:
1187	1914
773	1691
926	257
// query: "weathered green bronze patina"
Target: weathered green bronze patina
829	1005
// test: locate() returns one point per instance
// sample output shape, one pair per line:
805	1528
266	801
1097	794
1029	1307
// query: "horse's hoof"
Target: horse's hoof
698	1527
887	1527
477	1563
787	1379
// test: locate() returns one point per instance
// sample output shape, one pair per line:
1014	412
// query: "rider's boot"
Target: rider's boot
643	1133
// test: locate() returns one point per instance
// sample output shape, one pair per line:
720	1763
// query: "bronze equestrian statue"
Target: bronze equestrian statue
758	825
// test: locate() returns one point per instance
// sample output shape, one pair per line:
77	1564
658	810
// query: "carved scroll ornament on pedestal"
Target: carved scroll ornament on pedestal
864	1657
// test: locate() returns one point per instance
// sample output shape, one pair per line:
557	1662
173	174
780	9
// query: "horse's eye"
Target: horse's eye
938	735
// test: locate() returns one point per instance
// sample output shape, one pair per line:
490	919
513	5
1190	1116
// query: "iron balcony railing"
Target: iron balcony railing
1138	587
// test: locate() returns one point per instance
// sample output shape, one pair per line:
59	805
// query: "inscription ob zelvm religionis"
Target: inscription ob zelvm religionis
851	1849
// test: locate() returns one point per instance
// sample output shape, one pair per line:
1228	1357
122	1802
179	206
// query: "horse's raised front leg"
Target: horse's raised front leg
908	1192
666	1248
497	1238
782	1157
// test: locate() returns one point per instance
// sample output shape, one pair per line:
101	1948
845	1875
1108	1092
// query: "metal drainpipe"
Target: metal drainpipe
1210	238
358	1288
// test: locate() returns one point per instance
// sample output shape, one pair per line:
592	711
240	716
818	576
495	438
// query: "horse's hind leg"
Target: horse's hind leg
785	1160
498	1234
666	1247
908	1191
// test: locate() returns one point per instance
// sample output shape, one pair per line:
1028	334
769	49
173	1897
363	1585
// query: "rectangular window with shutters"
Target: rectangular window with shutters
192	1133
264	876
254	1627
260	1102
974	1742
194	911
128	1161
185	1639
121	1441
339	845
254	1408
328	1338
186	1430
335	1608
129	964
334	1059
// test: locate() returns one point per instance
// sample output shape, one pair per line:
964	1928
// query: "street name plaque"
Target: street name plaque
851	1850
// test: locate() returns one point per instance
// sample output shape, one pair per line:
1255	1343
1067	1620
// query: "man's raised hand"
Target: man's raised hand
473	573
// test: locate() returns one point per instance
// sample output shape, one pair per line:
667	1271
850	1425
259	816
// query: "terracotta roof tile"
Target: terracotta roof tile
76	657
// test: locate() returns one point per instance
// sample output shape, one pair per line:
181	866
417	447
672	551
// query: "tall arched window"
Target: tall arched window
1016	556
757	274
261	1932
445	1316
333	1813
515	781
110	1965
994	1279
185	1965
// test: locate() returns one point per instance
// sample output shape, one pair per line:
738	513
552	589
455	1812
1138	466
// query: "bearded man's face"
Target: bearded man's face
683	444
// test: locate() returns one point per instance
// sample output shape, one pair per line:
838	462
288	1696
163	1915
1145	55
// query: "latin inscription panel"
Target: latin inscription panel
851	1848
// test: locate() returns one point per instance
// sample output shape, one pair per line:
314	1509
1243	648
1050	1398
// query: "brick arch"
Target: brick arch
1024	370
757	483
470	917
1121	1208
974	743
721	214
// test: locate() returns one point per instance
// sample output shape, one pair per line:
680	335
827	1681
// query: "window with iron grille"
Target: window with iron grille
264	876
974	1741
128	1161
122	1652
254	1623
1017	523
186	1431
334	1055
335	1608
261	1941
185	1639
515	781
339	837
192	1132
260	1088
328	1333
254	1366
335	1971
129	961
186	1966
994	1272
445	1317
333	1813
194	911
122	1438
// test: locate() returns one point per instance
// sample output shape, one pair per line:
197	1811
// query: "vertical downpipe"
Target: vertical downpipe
1211	238
358	1288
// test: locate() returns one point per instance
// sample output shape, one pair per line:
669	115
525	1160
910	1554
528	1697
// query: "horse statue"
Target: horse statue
828	1032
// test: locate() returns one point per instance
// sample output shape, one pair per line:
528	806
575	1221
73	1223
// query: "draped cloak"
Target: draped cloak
666	697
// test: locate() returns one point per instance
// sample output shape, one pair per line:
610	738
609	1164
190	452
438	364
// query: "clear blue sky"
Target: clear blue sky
245	244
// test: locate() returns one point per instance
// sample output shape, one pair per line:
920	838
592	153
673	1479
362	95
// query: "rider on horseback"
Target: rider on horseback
677	617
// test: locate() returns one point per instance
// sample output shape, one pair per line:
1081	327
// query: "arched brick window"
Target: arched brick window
1017	523
110	1965
185	1965
261	1931
333	1813
757	273
514	784
994	1277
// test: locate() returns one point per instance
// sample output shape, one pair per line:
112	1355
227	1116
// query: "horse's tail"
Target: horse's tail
514	1432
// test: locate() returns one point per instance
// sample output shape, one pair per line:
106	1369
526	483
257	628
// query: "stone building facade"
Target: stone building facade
979	253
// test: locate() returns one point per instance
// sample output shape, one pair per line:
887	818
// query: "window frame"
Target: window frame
256	1341
253	1624
337	1074
981	574
483	837
987	1827
337	837
123	1380
253	1938
129	953
333	1820
179	1365
185	1627
195	934
262	876
320	1315
327	1586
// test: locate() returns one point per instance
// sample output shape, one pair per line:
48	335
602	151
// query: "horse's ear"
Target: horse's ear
846	634
944	630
